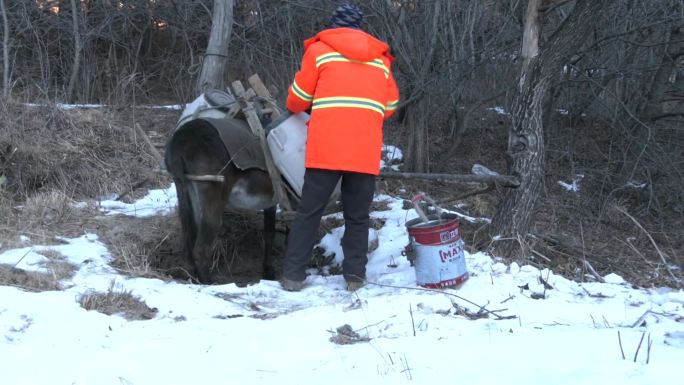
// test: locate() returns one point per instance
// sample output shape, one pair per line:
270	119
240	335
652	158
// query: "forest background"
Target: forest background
584	101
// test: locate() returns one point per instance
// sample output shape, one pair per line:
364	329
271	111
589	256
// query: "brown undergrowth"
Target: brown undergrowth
51	158
56	164
117	301
84	153
626	218
54	269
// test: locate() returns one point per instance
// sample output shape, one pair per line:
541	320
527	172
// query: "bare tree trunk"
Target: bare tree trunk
216	57
417	151
672	50
5	50
417	157
530	40
78	48
526	135
525	138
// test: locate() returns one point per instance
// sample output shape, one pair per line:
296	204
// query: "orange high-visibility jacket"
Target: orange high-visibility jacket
347	82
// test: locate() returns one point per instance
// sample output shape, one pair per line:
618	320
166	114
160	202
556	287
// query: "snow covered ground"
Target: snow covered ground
261	334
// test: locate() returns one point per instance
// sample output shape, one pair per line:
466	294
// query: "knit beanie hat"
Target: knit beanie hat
347	15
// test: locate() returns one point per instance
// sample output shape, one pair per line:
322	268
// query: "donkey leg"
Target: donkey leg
188	233
269	236
208	200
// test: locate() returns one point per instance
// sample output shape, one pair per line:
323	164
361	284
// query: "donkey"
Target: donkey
209	179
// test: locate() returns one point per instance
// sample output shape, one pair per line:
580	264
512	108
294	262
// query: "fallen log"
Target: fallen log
502	180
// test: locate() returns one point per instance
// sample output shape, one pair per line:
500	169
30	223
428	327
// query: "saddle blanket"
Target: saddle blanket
242	145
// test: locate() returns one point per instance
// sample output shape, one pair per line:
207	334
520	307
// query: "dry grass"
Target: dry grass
379	206
51	158
328	224
58	269
142	246
85	153
27	280
42	216
120	302
609	242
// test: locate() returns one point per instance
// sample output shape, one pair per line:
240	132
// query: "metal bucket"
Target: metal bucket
439	258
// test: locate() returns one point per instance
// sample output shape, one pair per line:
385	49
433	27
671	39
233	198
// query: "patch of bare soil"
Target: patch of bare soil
151	247
239	250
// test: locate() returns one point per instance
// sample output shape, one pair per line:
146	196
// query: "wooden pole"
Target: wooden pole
216	58
258	130
503	180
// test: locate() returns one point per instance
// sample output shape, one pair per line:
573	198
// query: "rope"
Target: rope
215	54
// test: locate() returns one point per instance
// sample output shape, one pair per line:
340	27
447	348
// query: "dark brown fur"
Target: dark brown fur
196	149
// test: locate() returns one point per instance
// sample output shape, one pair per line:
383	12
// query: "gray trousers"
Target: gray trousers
357	194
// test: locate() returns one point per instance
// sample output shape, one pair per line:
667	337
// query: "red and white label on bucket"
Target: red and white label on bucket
439	266
449	253
447	236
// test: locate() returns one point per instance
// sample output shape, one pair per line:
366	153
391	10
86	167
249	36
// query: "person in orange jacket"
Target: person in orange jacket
347	82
